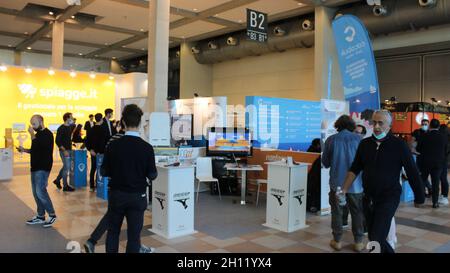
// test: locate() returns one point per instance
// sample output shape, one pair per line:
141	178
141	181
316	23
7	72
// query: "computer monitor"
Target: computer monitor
223	141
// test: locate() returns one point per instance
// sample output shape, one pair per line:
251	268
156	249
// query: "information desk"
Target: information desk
243	168
173	201
286	196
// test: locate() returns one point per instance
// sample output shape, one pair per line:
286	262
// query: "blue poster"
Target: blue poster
283	124
357	63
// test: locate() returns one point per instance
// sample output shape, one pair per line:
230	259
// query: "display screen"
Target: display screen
227	141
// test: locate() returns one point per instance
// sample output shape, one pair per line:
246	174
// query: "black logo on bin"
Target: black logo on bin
183	202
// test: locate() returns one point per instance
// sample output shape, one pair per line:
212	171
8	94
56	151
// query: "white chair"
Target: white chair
204	173
259	182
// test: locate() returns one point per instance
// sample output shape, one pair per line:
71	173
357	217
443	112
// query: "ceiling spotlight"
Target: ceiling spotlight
439	101
231	41
81	54
26	33
3	68
73	74
50	13
379	10
278	31
9	45
307	25
114	58
427	3
142	29
212	45
357	101
195	50
92	75
194	9
51	72
28	70
73	16
386	100
29	47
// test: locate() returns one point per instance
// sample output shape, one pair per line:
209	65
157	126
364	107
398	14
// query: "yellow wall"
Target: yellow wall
284	75
23	95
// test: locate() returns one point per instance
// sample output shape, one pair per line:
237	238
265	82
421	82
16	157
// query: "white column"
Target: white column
325	54
57	45
158	55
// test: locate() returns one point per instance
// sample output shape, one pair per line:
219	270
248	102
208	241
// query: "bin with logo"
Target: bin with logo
102	181
78	168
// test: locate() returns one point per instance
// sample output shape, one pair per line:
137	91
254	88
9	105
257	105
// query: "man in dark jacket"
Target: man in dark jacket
381	159
89	124
432	151
127	189
108	125
95	144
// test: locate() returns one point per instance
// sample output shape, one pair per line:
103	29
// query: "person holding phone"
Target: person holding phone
41	161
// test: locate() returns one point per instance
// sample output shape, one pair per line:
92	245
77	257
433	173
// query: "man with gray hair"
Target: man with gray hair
381	158
41	160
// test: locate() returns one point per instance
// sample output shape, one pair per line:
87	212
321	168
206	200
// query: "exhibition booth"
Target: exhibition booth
260	147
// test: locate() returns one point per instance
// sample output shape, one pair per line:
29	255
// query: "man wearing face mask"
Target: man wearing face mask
432	150
64	143
41	161
417	137
381	158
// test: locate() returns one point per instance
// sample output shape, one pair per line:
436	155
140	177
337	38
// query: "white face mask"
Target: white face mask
425	127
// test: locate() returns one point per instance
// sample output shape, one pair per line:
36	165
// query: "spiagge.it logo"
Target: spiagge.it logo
28	90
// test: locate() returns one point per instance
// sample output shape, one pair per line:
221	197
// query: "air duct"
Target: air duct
307	25
231	41
427	3
380	10
282	36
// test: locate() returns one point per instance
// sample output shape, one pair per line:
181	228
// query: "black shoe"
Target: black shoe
58	184
68	188
36	220
435	206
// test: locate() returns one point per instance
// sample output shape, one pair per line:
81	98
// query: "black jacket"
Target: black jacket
64	137
381	166
432	149
41	151
106	130
129	162
87	126
95	139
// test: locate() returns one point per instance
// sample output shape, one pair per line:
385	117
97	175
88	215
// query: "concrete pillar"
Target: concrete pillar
58	45
17	58
158	55
194	77
325	54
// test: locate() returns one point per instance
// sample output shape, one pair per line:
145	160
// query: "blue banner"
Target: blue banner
357	63
283	124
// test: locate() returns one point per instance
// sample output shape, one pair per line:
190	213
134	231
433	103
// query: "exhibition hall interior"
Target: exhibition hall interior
224	126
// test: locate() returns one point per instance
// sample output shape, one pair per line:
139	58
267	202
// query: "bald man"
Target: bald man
381	158
41	160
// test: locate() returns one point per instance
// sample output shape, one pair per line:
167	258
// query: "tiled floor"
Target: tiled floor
418	230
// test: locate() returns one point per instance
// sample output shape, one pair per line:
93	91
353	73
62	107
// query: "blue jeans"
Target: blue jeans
39	182
64	172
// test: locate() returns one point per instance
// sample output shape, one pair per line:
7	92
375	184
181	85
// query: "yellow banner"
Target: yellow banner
24	94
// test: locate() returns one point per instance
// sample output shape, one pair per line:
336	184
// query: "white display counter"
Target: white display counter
286	196
6	164
173	202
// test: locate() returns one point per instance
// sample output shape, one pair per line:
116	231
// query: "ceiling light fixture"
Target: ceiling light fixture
50	13
51	72
29	47
92	75
28	70
81	54
73	74
73	16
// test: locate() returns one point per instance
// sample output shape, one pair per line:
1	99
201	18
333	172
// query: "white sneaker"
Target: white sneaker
443	200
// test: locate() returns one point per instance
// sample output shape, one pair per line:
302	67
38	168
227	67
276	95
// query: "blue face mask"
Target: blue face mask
380	136
425	127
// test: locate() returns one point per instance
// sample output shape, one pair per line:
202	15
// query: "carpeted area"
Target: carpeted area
226	218
16	236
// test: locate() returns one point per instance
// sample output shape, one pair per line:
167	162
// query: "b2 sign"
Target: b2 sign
257	26
356	60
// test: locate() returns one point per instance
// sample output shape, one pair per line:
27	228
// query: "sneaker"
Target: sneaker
92	189
146	249
58	184
68	188
36	220
336	245
49	222
443	201
345	225
358	247
89	247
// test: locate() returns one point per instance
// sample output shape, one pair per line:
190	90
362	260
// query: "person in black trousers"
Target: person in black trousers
95	144
127	195
381	158
417	136
432	151
64	142
444	181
